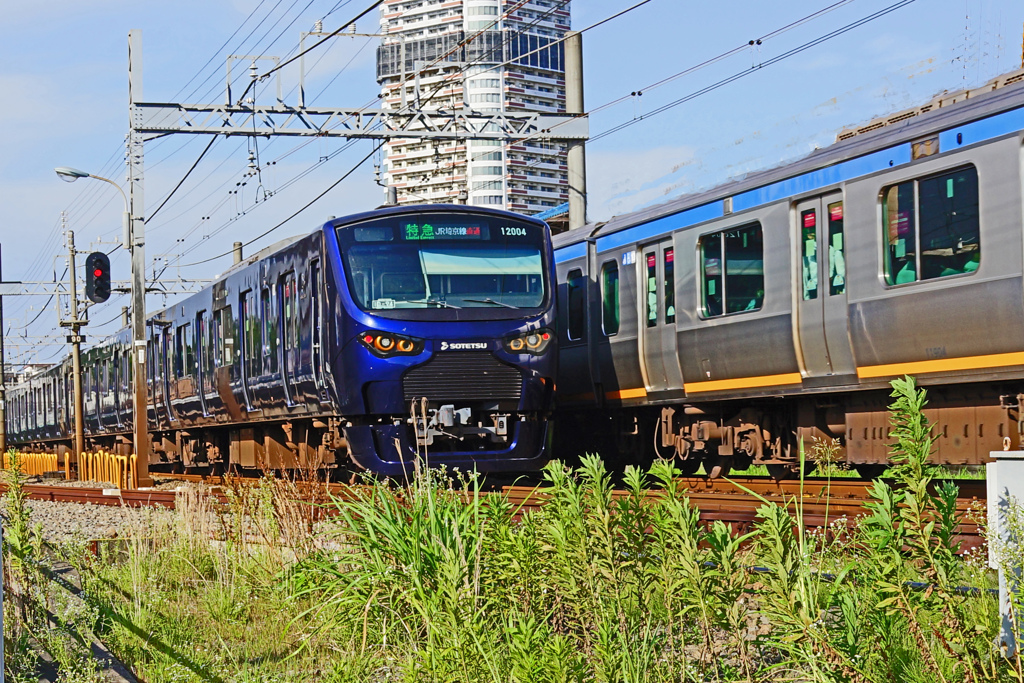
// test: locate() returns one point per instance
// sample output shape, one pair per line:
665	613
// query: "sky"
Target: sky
64	79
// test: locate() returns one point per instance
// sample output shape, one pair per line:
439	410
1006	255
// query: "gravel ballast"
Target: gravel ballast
66	522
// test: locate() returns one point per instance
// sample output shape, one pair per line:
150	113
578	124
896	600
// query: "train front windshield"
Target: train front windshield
439	261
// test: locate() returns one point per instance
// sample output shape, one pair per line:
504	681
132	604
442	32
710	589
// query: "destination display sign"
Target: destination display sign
432	231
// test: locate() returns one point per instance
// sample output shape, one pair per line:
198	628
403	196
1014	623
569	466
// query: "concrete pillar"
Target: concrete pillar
1005	484
577	158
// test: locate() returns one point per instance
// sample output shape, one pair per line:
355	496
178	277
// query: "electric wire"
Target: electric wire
757	67
183	179
296	213
380	145
720	57
218	51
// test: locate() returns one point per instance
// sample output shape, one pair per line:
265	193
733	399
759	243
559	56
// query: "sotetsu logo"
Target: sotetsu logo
463	346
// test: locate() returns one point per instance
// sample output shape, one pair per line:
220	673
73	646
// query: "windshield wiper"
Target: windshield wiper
438	302
492	301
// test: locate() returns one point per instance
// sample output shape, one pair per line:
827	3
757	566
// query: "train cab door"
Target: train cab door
822	312
657	307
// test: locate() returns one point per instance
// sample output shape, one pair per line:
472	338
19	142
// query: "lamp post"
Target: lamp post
140	405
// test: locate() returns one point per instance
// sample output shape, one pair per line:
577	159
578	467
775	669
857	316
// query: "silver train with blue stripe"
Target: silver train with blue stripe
384	337
729	327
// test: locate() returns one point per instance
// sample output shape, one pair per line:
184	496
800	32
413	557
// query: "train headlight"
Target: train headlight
385	345
535	343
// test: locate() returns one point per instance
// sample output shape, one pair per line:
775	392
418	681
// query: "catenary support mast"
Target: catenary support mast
140	412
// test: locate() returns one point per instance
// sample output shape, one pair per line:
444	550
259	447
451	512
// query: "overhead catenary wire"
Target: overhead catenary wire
734	77
757	67
90	194
320	42
296	213
409	78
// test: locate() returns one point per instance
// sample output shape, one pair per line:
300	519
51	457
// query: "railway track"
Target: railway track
735	501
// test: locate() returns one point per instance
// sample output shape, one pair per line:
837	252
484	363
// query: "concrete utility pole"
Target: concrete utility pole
140	406
576	158
3	412
75	338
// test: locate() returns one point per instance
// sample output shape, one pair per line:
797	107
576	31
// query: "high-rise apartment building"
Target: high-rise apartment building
486	56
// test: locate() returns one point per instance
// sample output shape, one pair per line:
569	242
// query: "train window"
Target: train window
939	213
732	270
217	339
948	216
204	368
836	250
254	351
184	358
901	237
809	246
267	311
610	298
226	333
711	272
652	289
670	284
575	291
291	312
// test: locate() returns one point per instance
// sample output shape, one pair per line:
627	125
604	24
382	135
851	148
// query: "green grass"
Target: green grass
837	472
435	582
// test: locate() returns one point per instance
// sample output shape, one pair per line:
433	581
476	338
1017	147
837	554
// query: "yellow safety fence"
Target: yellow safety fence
32	464
119	470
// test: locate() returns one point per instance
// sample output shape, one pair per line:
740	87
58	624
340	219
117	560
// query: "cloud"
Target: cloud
620	181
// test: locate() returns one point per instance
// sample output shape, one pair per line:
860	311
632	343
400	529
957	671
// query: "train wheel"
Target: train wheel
689	466
717	466
779	472
870	470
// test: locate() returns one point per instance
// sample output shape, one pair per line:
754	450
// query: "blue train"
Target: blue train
405	332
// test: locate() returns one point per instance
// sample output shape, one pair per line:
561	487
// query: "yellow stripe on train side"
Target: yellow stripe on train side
996	360
743	383
627	393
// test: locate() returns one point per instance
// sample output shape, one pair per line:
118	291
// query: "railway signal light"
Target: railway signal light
97	277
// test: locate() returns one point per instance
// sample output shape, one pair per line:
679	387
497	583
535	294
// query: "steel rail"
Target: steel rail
822	504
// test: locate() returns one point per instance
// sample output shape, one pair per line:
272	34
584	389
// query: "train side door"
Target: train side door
289	314
165	372
657	307
316	328
203	366
822	312
244	352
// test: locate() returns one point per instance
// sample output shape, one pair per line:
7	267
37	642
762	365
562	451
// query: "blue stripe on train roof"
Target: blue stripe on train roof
665	224
985	129
977	131
823	177
570	252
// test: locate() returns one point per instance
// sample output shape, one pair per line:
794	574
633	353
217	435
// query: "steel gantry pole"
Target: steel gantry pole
137	236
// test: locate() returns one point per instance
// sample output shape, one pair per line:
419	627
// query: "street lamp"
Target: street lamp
138	349
70	175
